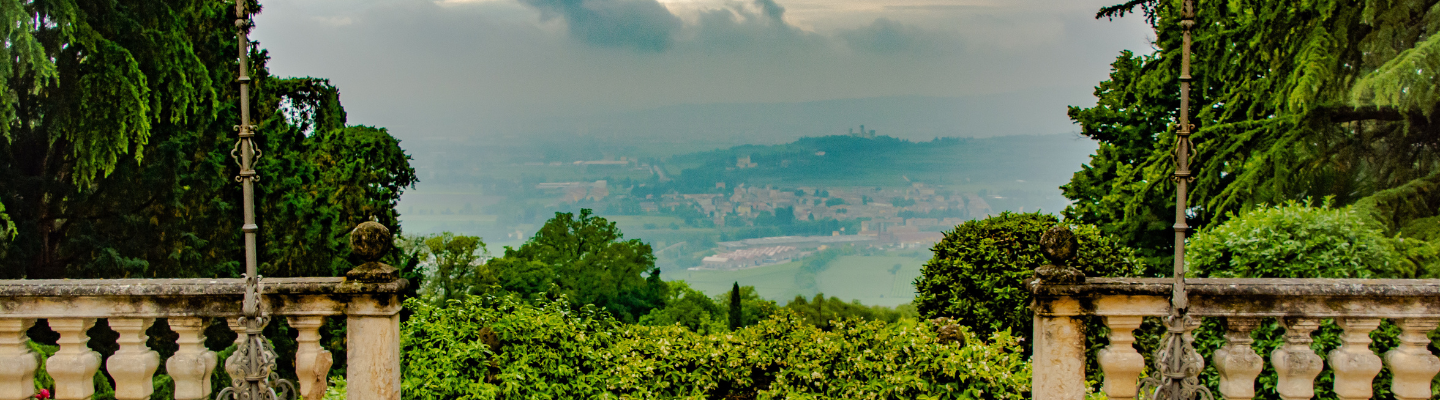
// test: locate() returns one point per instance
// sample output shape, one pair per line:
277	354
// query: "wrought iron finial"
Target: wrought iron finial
252	366
1177	364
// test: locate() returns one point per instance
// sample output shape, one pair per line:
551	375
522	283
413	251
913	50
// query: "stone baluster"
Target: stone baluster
237	327
1120	362
133	365
1411	363
73	366
312	362
1354	364
1237	362
17	362
1295	362
192	363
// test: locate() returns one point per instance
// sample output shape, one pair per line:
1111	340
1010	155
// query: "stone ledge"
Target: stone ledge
1246	287
1322	298
191	287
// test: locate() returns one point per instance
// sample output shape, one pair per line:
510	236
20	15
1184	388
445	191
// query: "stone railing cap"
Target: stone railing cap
1245	287
191	287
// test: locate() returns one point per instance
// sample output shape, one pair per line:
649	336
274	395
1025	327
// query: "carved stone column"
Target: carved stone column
1354	364
312	362
1237	362
1411	363
17	362
1119	360
133	365
1295	362
192	364
73	367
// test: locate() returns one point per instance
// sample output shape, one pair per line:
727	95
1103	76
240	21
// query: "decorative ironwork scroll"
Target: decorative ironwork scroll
252	366
1177	364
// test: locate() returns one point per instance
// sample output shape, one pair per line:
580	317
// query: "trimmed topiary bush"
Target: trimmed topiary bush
978	273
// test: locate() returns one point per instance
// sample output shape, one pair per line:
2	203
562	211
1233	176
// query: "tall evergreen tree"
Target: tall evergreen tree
735	320
115	133
1292	101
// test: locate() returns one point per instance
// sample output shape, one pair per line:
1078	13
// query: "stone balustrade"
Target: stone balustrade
130	306
1356	305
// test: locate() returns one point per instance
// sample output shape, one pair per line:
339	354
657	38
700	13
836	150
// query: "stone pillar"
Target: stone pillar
312	362
1119	360
1059	359
373	348
133	365
17	362
73	367
192	363
1237	363
1354	364
1411	362
1295	362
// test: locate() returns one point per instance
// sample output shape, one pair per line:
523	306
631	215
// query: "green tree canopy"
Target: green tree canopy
585	258
978	273
1292	101
115	138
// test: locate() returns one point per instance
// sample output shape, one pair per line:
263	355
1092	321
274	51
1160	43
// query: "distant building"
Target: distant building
744	162
870	134
750	257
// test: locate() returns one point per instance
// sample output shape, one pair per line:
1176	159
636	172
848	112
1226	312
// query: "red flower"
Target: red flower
44	394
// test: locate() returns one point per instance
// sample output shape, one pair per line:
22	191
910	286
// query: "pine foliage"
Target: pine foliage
1292	101
116	128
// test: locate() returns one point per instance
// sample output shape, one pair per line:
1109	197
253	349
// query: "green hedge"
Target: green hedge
500	348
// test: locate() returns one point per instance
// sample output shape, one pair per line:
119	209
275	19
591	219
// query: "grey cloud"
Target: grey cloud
644	25
887	36
772	10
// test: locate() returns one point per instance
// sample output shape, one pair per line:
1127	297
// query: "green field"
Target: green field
864	278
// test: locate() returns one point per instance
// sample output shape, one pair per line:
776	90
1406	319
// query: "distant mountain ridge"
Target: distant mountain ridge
905	117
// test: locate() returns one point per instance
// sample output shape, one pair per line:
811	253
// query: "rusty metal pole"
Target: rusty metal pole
1177	363
252	366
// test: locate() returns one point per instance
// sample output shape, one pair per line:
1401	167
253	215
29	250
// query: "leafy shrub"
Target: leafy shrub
488	347
825	312
689	308
1293	241
978	272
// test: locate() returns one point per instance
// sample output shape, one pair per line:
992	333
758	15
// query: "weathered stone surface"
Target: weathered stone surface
370	240
1237	362
1058	359
373	363
373	272
1354	364
17	361
312	362
1321	298
1058	245
163	298
192	363
1119	360
133	365
73	366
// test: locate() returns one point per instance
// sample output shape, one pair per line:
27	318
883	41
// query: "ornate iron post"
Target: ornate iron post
1177	364
252	366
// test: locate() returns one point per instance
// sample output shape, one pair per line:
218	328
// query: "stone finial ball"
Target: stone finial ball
370	240
1058	244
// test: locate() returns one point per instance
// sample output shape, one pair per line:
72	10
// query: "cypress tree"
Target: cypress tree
735	306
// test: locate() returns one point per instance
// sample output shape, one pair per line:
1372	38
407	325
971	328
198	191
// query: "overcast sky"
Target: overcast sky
453	67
